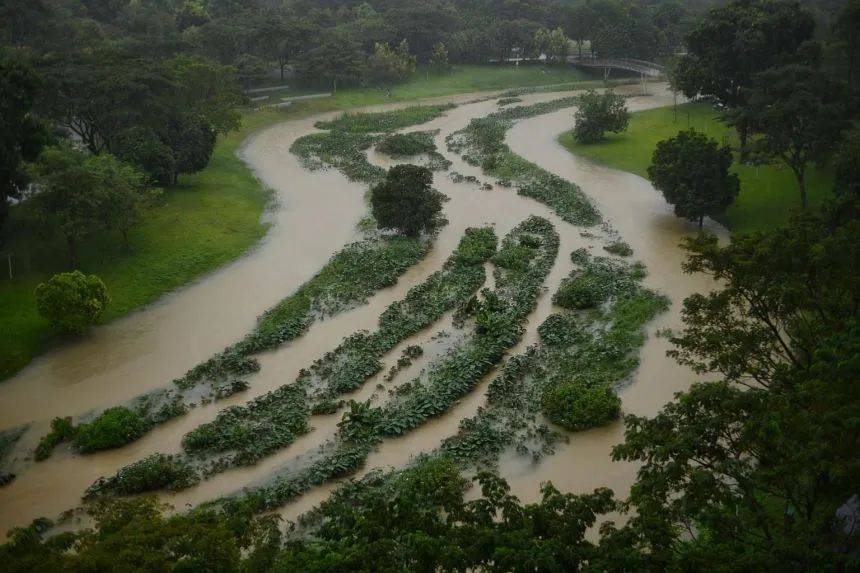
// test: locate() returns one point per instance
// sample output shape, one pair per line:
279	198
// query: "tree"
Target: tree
599	113
553	43
692	172
800	113
405	200
847	42
72	301
752	468
386	66
735	42
847	165
192	141
22	134
439	62
143	148
65	199
122	192
338	58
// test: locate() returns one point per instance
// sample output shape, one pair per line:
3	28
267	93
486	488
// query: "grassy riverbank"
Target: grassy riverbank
211	218
768	192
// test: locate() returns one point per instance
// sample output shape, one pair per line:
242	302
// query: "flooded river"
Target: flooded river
147	349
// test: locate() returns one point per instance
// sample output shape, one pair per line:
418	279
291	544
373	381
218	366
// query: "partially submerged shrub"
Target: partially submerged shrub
158	471
61	430
619	248
113	428
579	405
72	302
406	144
405	201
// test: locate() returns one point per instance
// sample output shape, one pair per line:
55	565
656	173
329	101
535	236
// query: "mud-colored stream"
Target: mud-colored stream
150	347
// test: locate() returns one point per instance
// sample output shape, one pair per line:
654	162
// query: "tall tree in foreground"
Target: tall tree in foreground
800	113
750	471
735	42
692	172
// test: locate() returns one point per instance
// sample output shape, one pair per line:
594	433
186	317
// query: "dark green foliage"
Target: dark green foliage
22	135
847	164
581	404
155	472
192	141
342	150
482	143
560	330
73	301
226	364
405	201
143	148
255	430
692	172
800	113
597	280
62	429
619	248
508	100
385	121
113	428
599	113
407	144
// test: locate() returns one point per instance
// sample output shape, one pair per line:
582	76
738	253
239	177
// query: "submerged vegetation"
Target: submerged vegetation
346	281
482	143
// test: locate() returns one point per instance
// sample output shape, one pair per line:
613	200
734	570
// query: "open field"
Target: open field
768	192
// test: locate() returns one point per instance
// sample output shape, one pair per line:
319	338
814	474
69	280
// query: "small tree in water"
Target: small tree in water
405	201
692	172
599	113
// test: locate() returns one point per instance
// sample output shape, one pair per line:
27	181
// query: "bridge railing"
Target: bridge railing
627	64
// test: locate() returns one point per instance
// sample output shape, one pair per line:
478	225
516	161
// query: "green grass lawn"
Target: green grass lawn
768	193
211	218
461	79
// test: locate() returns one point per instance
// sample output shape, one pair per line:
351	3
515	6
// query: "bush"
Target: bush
619	248
158	471
406	144
405	201
599	113
72	301
580	405
115	427
61	430
142	147
580	293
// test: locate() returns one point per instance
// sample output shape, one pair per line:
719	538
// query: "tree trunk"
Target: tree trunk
701	221
73	258
125	244
175	177
743	134
800	174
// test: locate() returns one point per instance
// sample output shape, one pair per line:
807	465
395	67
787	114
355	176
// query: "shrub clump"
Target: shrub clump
406	144
619	248
73	301
599	113
158	471
113	428
579	405
62	429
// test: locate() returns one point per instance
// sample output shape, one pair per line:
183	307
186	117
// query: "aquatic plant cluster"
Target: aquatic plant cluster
346	281
414	145
494	323
569	377
241	435
482	143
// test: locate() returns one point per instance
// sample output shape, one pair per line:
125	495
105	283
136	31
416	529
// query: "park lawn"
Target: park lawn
461	79
768	193
209	219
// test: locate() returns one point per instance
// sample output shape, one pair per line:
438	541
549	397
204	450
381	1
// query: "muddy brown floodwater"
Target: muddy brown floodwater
147	349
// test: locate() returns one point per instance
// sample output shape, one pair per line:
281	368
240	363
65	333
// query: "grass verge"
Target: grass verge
768	193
